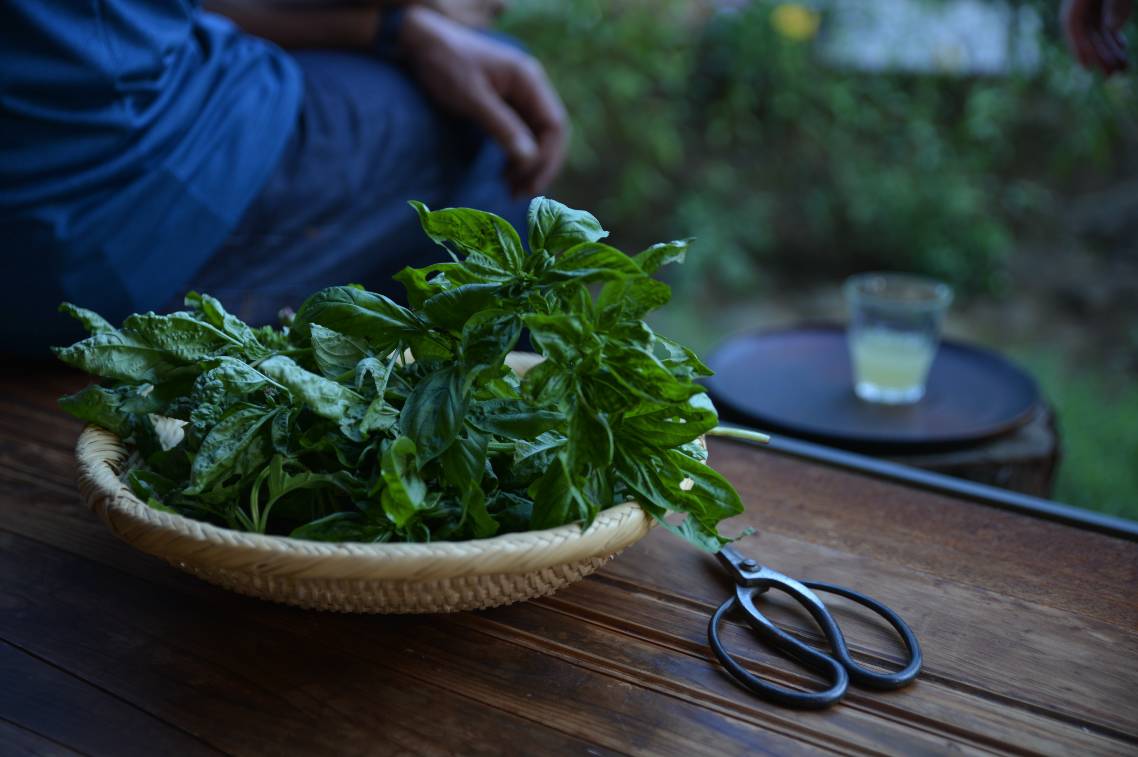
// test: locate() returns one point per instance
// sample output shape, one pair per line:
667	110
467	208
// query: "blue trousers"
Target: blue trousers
335	209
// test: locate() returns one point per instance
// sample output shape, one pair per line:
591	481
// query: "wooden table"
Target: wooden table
1030	633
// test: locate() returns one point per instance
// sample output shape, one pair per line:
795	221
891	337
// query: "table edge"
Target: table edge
984	494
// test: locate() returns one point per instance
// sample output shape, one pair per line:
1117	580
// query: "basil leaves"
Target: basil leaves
364	420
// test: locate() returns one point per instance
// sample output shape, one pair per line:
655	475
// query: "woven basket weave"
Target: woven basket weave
374	578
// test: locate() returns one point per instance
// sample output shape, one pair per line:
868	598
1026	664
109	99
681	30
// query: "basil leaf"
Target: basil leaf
179	334
710	498
404	492
219	317
380	374
510	511
679	358
643	375
334	353
562	337
548	383
474	507
148	485
418	286
117	356
556	498
464	461
342	527
532	459
514	418
452	308
659	255
676	482
486	340
590	438
491	239
282	483
643	296
353	312
235	445
640	479
217	390
92	321
433	413
380	414
328	399
554	227
592	261
670	425
102	407
625	299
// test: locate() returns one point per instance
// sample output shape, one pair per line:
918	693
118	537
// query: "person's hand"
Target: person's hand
1094	32
501	88
477	13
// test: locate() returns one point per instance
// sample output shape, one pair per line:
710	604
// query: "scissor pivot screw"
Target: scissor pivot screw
749	565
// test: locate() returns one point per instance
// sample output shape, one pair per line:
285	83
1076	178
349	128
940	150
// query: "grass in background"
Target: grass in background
1098	426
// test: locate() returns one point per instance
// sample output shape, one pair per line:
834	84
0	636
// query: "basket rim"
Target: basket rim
101	456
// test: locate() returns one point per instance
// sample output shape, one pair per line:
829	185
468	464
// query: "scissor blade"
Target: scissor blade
730	557
742	569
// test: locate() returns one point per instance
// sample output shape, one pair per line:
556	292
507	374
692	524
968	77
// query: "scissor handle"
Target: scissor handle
827	666
839	669
871	679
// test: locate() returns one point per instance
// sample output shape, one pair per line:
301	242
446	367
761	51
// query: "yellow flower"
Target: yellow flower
794	21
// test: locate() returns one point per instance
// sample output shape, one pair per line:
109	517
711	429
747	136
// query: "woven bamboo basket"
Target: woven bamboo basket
354	577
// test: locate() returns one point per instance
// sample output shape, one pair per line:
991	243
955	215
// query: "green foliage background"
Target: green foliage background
718	126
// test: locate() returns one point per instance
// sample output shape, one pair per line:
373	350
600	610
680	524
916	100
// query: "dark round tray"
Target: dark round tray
799	382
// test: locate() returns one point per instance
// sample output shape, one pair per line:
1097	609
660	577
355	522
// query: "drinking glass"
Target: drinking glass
894	329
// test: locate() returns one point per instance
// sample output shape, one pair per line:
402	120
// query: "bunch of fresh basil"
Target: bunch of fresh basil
367	421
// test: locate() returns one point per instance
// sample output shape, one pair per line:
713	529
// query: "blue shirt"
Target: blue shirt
133	135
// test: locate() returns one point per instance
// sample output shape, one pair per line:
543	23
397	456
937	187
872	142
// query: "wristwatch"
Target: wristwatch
386	42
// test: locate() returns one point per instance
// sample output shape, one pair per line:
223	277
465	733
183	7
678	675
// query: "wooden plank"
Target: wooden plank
219	672
1026	654
42	462
962	714
1003	552
444	652
1027	635
51	711
177	635
48	426
931	707
15	739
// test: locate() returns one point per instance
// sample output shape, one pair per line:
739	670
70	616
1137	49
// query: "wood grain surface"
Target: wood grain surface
1029	628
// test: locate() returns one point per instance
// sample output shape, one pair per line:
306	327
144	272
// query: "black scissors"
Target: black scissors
752	579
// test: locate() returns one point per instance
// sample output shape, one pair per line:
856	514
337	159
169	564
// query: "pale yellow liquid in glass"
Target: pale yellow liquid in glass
891	363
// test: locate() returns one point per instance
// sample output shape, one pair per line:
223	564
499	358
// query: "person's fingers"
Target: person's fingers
1111	39
1074	19
1115	14
553	147
1105	39
536	101
504	126
1104	52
